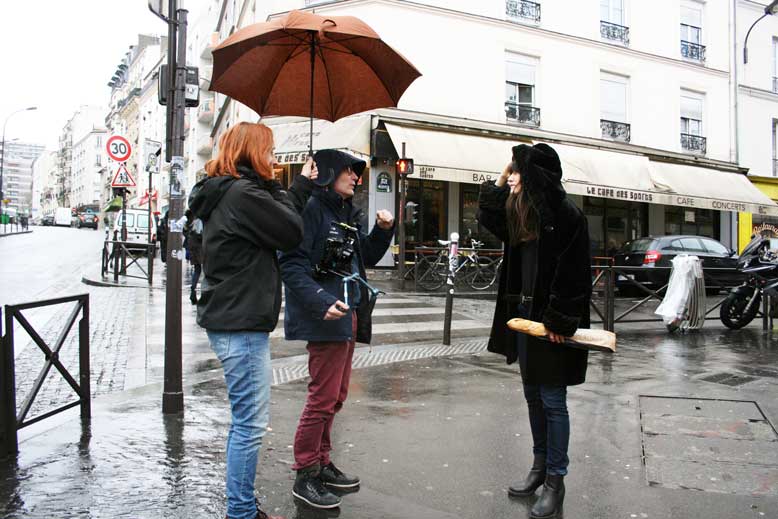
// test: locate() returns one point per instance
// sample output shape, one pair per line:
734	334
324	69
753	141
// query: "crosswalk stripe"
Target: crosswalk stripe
388	328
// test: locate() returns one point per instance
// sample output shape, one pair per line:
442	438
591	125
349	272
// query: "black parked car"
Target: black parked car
86	219
650	253
47	220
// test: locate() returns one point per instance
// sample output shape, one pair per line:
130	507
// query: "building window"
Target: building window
520	102
692	138
775	65
426	213
613	108
691	32
612	26
698	222
470	227
775	147
612	223
522	11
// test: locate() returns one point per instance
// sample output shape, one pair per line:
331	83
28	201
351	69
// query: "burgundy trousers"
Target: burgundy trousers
329	364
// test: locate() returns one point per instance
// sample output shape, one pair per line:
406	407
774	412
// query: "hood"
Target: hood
541	177
331	162
206	194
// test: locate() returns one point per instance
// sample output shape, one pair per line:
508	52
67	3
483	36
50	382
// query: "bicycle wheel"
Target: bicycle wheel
483	274
432	274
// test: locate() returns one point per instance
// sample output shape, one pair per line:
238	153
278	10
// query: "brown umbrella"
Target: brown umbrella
310	65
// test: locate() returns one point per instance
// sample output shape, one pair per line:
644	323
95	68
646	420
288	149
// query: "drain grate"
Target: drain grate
728	379
726	446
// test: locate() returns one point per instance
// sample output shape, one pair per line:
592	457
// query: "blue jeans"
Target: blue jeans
550	425
245	357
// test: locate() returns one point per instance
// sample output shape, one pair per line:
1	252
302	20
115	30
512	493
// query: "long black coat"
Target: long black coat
562	290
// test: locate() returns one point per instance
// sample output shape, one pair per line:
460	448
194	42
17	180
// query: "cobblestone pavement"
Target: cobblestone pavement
110	327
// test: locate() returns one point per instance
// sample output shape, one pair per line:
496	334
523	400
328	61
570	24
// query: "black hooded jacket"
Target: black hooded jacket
562	285
308	297
246	221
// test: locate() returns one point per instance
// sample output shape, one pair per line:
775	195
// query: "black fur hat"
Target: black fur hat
541	178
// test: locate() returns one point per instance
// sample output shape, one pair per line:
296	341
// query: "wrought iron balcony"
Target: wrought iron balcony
615	32
615	130
693	51
523	114
694	143
522	10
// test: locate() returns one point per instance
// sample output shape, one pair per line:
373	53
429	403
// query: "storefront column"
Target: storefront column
453	208
745	226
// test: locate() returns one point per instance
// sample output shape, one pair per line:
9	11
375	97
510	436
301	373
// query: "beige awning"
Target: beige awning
588	171
351	135
452	157
691	186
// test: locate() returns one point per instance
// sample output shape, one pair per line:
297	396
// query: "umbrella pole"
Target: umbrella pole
313	63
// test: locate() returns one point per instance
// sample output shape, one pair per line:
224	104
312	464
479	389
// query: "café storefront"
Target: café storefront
625	192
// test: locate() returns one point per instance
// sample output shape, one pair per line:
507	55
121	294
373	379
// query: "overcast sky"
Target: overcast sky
60	54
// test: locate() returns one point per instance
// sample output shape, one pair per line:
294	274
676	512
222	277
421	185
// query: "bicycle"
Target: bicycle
480	272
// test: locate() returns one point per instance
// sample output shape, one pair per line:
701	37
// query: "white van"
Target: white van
62	216
137	226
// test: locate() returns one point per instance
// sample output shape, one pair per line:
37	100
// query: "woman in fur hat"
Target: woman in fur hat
545	277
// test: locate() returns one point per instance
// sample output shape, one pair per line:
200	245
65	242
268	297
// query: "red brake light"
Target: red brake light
652	256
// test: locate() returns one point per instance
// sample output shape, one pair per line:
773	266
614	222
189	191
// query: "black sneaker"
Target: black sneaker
309	489
334	478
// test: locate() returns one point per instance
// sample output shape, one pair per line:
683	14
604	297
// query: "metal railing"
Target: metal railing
615	130
523	114
693	51
604	280
614	31
522	10
695	143
11	421
116	253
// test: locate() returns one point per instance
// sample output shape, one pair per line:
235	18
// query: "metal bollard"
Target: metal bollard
453	260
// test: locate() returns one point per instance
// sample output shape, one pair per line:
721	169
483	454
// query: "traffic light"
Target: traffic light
404	166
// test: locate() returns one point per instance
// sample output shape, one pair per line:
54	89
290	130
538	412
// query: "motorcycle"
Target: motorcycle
760	262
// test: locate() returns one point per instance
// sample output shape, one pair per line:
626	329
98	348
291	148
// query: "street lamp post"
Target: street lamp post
2	157
769	10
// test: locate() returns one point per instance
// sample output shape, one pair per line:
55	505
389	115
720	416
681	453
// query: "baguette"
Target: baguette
584	338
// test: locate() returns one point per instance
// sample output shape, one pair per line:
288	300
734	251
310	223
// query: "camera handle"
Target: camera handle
374	292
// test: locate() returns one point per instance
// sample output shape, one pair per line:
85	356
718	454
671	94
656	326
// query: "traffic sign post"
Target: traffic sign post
123	177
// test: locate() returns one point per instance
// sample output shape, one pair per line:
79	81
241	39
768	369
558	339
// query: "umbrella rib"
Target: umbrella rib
327	73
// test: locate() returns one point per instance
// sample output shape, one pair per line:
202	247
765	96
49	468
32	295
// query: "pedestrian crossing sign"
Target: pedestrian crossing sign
122	178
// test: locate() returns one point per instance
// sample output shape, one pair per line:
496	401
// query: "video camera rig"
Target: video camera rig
337	261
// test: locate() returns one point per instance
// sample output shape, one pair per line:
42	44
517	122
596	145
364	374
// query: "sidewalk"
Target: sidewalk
669	426
440	438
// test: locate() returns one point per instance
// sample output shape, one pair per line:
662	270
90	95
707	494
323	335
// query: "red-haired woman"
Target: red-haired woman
247	218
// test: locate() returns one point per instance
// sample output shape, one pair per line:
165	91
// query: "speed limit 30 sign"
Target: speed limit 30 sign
118	148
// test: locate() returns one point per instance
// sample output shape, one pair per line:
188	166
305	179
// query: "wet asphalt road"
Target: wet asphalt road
442	438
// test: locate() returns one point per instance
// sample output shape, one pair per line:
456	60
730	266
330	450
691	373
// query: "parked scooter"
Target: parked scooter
759	262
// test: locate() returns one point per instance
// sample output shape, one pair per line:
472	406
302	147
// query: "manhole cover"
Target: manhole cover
725	446
728	379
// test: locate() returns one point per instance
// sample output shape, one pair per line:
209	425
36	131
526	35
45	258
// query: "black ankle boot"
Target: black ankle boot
193	297
533	481
549	504
309	488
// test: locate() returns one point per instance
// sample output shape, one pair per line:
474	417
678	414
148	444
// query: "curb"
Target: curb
107	284
14	233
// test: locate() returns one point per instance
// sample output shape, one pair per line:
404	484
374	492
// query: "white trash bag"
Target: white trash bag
684	304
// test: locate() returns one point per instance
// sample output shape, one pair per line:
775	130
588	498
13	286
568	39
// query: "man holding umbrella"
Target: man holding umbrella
330	314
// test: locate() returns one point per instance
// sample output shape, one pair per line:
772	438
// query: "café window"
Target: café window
426	212
612	223
697	222
469	227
